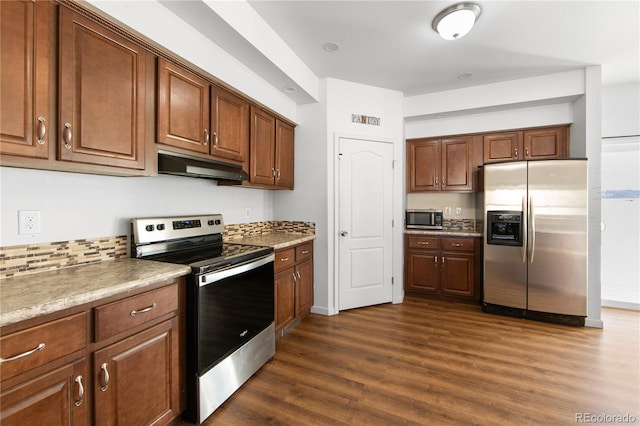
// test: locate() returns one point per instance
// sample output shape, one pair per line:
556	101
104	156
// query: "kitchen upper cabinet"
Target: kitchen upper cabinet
544	144
440	164
102	95
197	116
531	144
183	108
27	78
271	160
230	124
504	146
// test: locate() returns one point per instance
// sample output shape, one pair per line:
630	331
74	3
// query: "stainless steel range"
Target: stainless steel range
229	303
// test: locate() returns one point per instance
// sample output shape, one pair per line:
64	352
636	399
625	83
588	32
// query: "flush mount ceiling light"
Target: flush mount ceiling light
456	21
330	47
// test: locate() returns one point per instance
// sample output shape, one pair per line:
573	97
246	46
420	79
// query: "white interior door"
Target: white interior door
365	214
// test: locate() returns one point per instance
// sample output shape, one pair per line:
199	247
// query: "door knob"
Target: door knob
344	233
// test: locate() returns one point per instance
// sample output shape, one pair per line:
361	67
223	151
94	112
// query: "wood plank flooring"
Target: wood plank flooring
427	362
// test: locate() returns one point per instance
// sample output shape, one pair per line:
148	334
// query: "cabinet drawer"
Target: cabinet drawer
458	244
119	316
284	259
41	344
304	251
424	242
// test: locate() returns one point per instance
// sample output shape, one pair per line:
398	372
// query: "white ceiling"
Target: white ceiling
391	44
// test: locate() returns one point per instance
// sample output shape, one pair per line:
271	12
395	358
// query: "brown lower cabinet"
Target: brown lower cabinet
56	373
442	266
293	285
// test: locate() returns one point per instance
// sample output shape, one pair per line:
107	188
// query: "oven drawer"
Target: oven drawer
41	344
424	242
458	244
304	251
284	259
116	317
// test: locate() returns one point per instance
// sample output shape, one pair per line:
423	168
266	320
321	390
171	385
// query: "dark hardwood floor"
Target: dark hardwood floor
427	362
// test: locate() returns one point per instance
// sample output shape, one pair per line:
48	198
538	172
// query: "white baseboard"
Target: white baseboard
620	305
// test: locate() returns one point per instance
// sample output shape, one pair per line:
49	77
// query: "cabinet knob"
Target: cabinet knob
78	402
105	377
344	233
41	130
67	135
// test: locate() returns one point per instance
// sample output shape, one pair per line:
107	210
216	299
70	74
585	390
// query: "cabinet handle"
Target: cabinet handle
206	137
436	181
298	274
515	153
526	152
295	280
142	311
105	377
284	259
278	174
78	402
41	130
215	139
273	173
24	354
435	259
444	260
443	184
456	245
305	251
423	243
67	135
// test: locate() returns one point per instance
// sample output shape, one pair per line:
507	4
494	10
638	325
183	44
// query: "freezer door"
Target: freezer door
558	237
505	267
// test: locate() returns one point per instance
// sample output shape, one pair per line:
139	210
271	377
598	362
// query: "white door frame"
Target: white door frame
334	290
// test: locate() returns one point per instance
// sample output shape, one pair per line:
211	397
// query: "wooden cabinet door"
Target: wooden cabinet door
304	287
422	269
229	124
423	165
262	147
284	155
544	144
102	95
59	397
457	278
136	380
183	108
27	93
456	164
503	147
284	298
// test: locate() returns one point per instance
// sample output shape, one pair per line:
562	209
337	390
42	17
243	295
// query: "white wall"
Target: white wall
320	127
75	206
568	97
620	200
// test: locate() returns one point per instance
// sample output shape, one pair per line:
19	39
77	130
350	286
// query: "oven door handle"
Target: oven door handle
212	277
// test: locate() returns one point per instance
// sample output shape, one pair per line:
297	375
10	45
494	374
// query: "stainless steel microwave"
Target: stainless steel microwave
423	219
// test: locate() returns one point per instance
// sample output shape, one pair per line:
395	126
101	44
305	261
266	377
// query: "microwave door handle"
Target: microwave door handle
523	229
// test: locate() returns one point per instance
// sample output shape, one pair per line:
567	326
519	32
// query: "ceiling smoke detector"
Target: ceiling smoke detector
456	21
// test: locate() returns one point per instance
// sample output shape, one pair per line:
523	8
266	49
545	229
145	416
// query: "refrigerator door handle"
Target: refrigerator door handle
532	239
524	229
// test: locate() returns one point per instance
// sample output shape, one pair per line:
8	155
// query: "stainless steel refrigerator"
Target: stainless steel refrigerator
535	246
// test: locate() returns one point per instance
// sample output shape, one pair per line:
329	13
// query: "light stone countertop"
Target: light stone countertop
443	233
33	295
275	240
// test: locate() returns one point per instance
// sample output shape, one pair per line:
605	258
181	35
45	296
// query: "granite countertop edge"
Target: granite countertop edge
444	232
30	296
275	240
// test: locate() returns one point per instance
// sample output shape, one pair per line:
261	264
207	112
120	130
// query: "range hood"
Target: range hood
175	164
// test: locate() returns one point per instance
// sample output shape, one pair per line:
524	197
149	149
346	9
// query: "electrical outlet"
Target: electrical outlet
28	222
247	212
458	211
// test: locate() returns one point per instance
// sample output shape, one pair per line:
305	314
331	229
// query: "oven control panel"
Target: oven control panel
154	229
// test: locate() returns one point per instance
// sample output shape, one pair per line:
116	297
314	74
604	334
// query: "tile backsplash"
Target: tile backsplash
32	258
